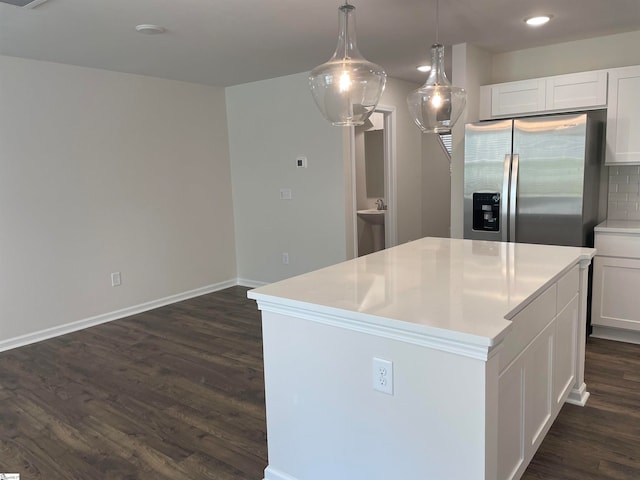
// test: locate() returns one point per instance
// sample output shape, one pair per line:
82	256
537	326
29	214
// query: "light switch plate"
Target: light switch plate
285	194
116	279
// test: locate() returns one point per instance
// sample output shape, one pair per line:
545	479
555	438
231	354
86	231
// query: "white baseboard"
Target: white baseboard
579	396
616	334
245	282
273	474
109	317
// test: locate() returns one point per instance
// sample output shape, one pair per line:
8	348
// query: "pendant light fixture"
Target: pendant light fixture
437	105
348	87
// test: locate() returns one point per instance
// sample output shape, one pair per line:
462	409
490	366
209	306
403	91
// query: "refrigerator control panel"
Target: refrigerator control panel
486	212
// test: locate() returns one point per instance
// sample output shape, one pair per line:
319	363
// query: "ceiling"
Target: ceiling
228	42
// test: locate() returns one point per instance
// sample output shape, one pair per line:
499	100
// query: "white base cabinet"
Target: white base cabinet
616	282
461	406
616	309
536	383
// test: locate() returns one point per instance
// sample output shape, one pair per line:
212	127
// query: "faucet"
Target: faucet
380	204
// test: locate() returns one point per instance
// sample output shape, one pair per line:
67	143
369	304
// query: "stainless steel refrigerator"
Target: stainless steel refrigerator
534	180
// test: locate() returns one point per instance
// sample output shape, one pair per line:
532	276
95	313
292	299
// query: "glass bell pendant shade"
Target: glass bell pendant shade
437	105
348	87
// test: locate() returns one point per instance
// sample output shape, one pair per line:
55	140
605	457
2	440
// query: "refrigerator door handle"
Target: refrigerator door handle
513	197
504	201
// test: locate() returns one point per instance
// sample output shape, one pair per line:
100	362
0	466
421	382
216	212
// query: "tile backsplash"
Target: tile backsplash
624	193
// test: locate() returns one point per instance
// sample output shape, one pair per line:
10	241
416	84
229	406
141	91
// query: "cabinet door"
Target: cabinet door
526	406
616	283
511	449
518	97
623	116
539	388
577	91
564	351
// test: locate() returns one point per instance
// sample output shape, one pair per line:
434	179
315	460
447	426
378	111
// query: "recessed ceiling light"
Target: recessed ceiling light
538	20
424	68
150	29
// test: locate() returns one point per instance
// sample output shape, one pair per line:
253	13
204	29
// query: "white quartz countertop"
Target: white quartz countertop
462	290
619	226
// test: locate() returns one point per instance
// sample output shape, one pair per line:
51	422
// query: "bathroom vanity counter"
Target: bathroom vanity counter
466	325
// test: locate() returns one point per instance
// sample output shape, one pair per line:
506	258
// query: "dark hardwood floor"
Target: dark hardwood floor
174	393
601	440
177	393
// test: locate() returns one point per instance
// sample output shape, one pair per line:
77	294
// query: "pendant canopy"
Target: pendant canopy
437	105
348	87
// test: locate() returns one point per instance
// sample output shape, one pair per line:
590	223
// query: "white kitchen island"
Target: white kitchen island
486	342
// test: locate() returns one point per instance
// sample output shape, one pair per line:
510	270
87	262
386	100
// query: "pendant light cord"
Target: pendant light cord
346	10
437	21
346	30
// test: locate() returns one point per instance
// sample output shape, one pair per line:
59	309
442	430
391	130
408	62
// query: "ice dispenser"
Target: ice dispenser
486	211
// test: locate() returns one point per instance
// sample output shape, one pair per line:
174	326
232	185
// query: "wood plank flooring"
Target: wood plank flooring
600	441
174	393
177	393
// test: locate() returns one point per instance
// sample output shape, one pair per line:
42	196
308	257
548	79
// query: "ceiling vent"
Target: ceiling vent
24	3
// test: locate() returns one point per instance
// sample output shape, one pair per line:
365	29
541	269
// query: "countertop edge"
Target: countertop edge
468	344
460	343
619	226
587	256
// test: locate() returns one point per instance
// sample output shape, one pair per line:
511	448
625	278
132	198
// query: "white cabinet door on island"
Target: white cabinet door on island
537	372
485	340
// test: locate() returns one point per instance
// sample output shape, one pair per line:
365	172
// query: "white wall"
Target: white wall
372	169
363	202
408	161
436	188
270	123
578	56
104	172
471	69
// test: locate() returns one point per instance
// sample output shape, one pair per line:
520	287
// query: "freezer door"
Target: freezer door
487	159
550	179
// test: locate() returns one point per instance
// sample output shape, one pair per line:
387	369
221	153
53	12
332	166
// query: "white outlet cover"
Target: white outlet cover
382	375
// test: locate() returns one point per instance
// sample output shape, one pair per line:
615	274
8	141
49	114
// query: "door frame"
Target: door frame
390	183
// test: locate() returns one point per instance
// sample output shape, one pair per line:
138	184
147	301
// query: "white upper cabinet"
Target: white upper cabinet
586	90
623	116
515	98
561	93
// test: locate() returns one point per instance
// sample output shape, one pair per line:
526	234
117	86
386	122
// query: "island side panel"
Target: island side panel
325	420
579	394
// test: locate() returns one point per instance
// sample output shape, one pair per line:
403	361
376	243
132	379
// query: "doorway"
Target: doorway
372	152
